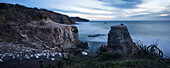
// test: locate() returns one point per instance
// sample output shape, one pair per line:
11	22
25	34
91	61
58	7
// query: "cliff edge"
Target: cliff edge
34	29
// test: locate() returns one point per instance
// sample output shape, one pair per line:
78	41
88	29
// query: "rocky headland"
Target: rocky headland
32	27
78	19
31	32
37	38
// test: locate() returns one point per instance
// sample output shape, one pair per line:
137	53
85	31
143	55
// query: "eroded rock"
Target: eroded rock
35	35
119	42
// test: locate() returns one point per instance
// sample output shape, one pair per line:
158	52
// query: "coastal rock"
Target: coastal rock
36	28
78	48
96	35
120	41
34	34
83	45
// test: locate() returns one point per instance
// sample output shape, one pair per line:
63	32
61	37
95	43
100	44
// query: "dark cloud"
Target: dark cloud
77	12
126	4
155	16
142	15
112	9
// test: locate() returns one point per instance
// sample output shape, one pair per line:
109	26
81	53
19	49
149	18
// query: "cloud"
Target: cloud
104	9
164	15
126	4
155	5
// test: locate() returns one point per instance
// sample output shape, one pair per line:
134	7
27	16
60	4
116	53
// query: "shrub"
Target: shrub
109	56
151	51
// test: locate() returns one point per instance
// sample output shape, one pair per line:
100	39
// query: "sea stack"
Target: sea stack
120	40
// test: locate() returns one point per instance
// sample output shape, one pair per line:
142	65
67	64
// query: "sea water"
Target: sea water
146	31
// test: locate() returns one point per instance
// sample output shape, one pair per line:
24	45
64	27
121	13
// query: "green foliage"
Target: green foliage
149	51
109	56
19	13
67	59
144	63
57	64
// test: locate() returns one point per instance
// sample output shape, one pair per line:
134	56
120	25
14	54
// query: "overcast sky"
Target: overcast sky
104	9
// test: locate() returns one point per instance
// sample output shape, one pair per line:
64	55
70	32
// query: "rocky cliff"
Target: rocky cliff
120	39
37	29
40	35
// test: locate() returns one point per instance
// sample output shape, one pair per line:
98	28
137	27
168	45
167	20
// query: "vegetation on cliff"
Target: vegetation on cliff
19	13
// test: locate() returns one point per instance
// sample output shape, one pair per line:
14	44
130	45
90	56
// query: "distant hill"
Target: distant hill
78	19
19	13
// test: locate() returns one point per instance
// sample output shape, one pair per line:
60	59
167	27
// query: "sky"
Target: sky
104	9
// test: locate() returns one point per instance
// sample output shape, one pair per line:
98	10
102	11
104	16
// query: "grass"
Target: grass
108	56
136	63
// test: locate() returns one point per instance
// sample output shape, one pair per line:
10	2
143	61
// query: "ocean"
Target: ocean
146	31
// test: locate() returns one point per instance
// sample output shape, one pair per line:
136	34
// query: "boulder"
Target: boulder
78	48
83	45
96	35
120	41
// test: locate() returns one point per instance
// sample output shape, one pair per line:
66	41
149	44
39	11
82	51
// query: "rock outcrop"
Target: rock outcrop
78	19
96	35
38	29
120	40
38	34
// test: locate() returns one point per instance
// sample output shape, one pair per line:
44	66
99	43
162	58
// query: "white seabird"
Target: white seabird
18	55
31	55
13	57
60	54
1	60
27	57
53	54
37	56
52	59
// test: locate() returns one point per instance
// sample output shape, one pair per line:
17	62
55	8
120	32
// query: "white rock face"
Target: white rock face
84	53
